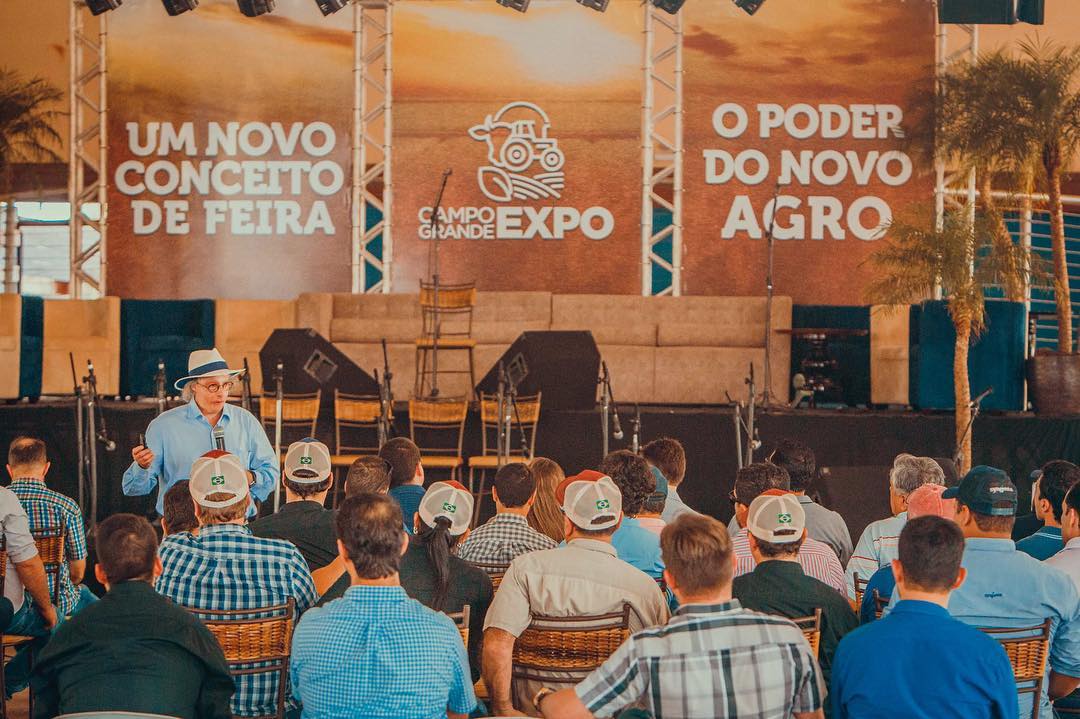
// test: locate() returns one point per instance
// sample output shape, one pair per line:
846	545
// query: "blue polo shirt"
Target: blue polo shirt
1007	588
1043	544
885	583
638	547
971	677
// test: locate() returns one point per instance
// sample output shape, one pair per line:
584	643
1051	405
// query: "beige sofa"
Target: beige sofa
691	350
88	329
10	344
241	328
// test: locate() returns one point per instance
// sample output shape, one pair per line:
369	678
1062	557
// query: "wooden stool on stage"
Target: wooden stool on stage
437	427
452	317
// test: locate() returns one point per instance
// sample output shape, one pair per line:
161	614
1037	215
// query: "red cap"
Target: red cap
589	475
215	453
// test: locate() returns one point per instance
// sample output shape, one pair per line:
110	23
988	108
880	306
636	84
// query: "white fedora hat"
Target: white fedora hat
206	363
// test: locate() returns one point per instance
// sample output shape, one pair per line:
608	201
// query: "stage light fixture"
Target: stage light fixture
99	6
176	7
669	6
598	5
519	5
749	6
255	8
329	7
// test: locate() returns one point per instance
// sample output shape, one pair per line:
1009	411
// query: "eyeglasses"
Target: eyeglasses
732	498
215	387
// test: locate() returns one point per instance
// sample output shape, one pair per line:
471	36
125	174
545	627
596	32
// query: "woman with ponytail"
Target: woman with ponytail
431	573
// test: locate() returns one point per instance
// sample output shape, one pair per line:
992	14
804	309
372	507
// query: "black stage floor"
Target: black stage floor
855	447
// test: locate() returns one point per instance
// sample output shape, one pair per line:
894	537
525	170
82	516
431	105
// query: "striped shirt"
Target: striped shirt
226	567
46	508
877	547
818	560
710	661
501	539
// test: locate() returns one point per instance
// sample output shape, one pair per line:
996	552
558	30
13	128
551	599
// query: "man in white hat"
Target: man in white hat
583	578
177	437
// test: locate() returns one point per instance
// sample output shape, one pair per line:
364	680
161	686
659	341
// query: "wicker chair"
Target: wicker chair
10	641
1027	654
299	415
452	315
440	427
495	572
860	590
255	641
880	603
356	414
50	546
524	420
461	621
811	628
563	650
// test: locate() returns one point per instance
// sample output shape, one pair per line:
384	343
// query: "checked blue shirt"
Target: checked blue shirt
47	508
377	653
225	566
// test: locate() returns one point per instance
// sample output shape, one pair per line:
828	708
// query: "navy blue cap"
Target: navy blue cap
985	490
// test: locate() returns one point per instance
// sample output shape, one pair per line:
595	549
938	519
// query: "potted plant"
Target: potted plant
27	134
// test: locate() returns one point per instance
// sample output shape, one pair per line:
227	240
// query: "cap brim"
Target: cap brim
951	493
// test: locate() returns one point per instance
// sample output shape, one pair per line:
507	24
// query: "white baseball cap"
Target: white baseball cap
307	462
590	500
218	472
777	517
450	500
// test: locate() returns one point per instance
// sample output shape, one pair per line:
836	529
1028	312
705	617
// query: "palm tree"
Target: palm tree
963	259
27	134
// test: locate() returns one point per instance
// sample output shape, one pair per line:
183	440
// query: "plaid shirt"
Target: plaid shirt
818	560
718	661
47	508
501	539
226	567
377	653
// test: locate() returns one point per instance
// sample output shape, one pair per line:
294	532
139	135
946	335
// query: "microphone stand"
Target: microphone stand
512	394
435	285
245	387
635	425
608	407
748	426
501	434
768	307
975	405
386	398
80	431
159	386
93	436
279	394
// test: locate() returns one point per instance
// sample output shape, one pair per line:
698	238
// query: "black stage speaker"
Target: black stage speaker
311	363
563	365
991	12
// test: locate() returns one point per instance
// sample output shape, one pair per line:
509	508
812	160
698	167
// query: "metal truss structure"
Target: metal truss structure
371	146
662	149
87	149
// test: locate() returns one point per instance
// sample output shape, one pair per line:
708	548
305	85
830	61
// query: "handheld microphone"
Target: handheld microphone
616	428
219	437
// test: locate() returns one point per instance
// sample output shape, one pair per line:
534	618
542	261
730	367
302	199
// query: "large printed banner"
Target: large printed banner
801	102
228	152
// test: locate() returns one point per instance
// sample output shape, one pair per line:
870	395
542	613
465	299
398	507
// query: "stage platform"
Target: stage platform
855	447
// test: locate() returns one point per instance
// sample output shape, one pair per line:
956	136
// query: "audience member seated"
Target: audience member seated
406	476
1007	588
667	455
924	501
303	520
778	585
1047	494
367	474
817	559
652	512
375	652
32	615
546	515
178	510
133	651
877	545
633	543
713	659
226	567
1068	559
583	578
507	534
48	509
822	524
918	662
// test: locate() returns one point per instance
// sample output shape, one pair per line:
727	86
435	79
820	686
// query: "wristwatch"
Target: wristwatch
539	696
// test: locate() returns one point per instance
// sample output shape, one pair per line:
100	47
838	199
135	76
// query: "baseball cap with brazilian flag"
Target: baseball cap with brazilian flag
590	500
450	500
307	462
776	517
218	472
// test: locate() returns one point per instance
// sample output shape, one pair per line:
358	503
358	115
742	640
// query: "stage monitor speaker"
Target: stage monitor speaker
311	363
991	12
564	365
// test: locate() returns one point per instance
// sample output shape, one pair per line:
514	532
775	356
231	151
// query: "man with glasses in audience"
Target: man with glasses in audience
817	559
175	438
1048	492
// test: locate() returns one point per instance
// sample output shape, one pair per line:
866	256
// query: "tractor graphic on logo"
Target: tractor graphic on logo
517	140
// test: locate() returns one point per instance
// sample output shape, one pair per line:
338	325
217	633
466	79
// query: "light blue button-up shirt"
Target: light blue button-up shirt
1007	588
181	435
638	547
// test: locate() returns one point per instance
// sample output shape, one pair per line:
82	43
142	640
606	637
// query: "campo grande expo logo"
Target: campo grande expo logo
517	139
